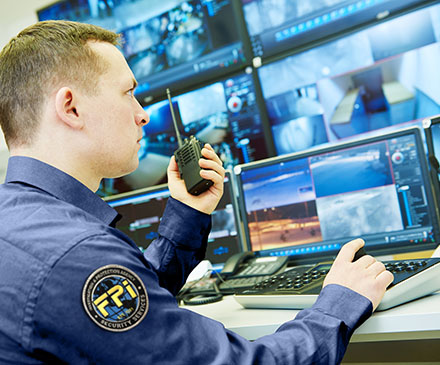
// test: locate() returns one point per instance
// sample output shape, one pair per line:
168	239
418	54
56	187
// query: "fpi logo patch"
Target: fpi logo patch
115	298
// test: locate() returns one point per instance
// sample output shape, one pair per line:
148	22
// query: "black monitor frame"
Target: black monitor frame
133	197
433	157
329	254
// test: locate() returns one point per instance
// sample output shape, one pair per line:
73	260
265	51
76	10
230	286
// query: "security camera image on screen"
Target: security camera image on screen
165	42
225	114
277	26
377	78
316	203
142	211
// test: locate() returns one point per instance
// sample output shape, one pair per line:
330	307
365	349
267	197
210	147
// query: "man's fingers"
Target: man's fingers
385	278
172	166
366	261
213	176
208	152
376	268
348	251
211	165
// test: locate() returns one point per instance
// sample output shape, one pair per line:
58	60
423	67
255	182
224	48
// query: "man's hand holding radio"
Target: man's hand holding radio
212	169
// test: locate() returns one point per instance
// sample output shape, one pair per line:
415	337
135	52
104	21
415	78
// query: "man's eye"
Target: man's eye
130	92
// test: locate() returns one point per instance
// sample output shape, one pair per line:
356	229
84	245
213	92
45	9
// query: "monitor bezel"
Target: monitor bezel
330	255
433	162
135	193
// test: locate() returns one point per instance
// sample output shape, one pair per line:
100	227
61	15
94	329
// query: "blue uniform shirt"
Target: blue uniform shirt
73	289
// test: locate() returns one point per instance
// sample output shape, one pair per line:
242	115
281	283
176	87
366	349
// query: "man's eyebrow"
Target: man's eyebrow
135	83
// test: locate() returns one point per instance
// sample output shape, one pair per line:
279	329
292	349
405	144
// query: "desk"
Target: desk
410	332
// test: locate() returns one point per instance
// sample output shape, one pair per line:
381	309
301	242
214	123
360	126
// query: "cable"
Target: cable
199	297
202	297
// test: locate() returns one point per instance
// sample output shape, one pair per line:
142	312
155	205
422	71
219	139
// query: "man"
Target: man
73	289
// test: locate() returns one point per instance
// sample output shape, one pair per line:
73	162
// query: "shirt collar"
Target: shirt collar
59	184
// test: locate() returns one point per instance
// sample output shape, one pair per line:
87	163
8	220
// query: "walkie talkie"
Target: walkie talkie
187	157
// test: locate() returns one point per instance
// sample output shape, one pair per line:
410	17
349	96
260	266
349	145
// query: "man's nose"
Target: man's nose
142	118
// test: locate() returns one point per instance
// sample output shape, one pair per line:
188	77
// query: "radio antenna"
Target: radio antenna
179	139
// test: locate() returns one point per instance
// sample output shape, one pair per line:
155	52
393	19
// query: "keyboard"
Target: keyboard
294	289
241	282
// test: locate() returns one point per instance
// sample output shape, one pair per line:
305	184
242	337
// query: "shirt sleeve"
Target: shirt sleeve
324	330
63	330
183	236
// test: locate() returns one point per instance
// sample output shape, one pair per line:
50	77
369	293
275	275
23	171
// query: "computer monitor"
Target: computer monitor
383	76
307	205
142	210
284	25
167	43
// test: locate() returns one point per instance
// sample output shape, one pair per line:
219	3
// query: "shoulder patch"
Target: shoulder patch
115	298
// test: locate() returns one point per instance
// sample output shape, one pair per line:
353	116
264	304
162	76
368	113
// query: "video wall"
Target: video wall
259	78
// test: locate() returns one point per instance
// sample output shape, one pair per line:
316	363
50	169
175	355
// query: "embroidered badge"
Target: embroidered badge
115	298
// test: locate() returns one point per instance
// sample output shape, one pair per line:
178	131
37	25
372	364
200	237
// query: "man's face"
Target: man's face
113	116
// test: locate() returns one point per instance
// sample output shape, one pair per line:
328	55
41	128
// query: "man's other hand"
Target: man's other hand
366	276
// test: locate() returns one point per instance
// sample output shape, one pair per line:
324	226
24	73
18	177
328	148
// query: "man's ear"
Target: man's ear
67	109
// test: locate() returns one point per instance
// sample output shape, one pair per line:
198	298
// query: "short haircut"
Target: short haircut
43	56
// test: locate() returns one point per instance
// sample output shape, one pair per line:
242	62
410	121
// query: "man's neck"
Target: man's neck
62	162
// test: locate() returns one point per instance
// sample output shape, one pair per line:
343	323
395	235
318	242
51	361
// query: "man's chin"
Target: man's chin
126	171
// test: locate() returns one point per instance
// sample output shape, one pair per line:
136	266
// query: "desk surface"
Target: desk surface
419	319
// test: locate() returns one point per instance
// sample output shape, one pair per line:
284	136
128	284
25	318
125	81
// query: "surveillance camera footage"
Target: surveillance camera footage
167	43
374	79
